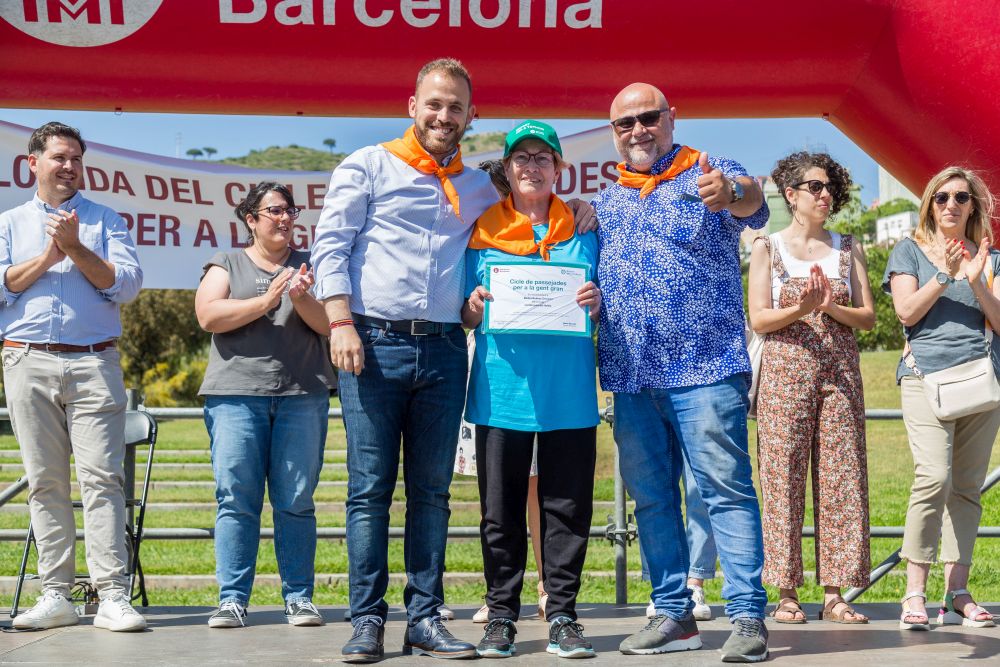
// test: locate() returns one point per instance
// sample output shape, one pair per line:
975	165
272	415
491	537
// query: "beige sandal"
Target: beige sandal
828	613
789	606
910	620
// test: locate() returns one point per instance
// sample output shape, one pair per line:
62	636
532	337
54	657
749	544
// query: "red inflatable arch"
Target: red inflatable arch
913	82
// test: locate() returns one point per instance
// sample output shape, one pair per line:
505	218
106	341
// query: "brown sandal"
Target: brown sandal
789	606
828	613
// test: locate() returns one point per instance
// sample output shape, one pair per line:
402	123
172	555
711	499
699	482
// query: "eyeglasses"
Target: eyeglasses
814	186
276	211
543	159
961	198
646	119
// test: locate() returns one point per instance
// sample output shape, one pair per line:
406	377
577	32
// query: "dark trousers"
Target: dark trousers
565	493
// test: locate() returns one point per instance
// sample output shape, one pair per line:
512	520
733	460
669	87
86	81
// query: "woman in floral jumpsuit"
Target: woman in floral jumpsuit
808	290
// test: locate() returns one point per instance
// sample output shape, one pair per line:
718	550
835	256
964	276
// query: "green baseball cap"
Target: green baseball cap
532	129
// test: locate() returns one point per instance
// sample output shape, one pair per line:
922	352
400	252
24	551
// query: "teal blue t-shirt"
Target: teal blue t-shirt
532	382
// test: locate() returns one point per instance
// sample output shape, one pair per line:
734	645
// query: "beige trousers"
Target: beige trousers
950	461
72	402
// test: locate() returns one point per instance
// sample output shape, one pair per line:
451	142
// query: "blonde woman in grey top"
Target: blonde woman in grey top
267	395
938	281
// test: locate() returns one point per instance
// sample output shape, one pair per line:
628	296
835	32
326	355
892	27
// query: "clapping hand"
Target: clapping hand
64	229
974	266
826	289
813	295
272	297
954	256
301	282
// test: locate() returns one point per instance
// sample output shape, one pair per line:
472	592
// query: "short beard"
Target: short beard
634	155
433	146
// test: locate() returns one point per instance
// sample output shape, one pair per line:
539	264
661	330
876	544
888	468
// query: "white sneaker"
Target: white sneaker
650	610
481	616
445	612
52	610
117	615
701	612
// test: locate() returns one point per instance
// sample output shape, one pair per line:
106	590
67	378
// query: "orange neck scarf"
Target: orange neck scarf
505	228
409	150
685	159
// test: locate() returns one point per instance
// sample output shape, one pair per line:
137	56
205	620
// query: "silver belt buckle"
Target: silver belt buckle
421	327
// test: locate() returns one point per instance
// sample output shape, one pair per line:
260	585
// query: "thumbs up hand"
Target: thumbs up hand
713	186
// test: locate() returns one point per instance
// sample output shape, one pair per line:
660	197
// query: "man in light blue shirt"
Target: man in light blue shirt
66	264
389	261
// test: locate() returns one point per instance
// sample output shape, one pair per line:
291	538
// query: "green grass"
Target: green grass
890	476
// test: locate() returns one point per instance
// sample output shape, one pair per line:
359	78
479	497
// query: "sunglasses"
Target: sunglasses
646	119
814	186
543	160
961	198
276	211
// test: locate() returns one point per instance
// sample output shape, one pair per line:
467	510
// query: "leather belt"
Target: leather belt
60	347
412	327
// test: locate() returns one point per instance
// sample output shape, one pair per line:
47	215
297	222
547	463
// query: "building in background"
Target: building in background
889	188
894	227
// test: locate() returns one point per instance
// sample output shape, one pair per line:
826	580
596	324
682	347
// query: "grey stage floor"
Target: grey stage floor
180	636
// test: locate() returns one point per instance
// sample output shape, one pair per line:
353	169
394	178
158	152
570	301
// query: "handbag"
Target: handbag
965	389
755	350
755	345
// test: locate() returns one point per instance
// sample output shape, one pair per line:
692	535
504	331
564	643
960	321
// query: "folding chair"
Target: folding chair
140	429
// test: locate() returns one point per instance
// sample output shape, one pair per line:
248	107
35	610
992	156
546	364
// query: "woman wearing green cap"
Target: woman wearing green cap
524	385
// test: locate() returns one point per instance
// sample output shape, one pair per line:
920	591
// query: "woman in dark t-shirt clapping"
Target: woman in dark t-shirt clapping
267	396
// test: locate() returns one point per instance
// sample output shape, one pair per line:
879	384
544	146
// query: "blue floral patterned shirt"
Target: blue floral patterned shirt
670	277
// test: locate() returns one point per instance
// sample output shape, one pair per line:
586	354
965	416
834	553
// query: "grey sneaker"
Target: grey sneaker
747	643
663	635
303	613
231	614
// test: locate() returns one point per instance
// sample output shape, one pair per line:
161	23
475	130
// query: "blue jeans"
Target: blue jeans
412	388
656	431
279	439
700	541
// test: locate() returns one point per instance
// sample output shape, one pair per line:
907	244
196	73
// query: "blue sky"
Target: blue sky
757	143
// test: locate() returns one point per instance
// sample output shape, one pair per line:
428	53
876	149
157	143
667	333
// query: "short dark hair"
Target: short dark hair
497	174
450	66
791	169
250	203
40	137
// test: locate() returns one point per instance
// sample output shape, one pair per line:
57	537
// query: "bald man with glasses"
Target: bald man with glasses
672	349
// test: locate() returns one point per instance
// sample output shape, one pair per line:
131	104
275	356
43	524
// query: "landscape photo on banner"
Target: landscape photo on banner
180	211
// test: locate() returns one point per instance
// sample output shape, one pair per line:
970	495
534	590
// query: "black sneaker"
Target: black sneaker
231	614
566	639
747	643
303	613
498	639
367	642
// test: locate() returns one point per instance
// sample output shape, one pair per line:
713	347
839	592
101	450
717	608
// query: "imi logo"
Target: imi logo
78	22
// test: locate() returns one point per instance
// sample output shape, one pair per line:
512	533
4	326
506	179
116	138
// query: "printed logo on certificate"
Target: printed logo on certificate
536	298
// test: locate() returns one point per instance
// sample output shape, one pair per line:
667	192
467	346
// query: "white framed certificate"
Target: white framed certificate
536	298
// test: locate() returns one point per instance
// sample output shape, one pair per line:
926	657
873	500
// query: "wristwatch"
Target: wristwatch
737	189
943	278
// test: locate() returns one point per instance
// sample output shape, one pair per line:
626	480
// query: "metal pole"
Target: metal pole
894	559
17	487
621	540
